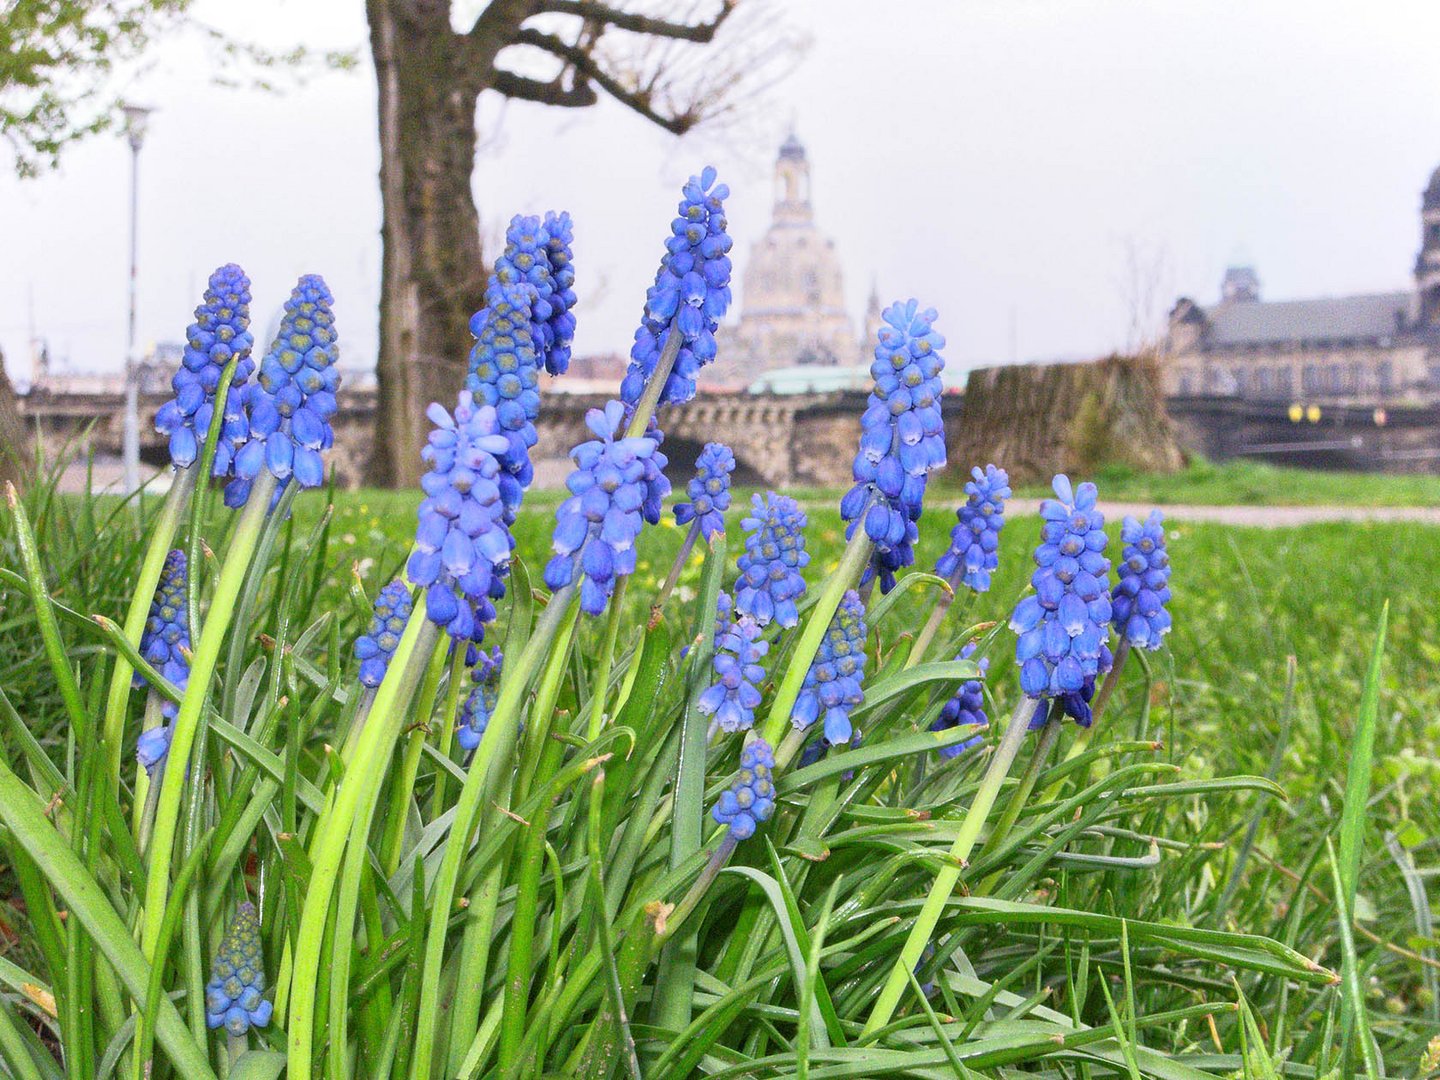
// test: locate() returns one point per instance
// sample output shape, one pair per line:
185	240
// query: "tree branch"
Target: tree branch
637	99
640	24
554	92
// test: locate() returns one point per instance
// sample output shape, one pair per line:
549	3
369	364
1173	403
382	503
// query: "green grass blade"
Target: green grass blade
87	902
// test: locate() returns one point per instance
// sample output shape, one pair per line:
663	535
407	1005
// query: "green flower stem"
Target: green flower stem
332	832
1097	707
1049	735
691	900
852	564
118	700
475	945
492	761
202	669
600	686
147	796
1112	680
48	624
932	624
681	558
403	789
425	662
531	863
949	875
789	746
650	399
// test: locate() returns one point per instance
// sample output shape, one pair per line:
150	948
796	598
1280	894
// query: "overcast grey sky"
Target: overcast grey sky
995	158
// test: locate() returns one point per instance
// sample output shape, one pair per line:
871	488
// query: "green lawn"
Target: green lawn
1253	483
1245	601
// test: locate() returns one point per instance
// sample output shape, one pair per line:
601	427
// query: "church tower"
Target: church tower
792	310
1427	263
792	184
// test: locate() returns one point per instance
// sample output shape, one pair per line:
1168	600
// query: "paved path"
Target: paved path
1268	517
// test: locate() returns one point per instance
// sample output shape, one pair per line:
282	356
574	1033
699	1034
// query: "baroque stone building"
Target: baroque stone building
792	295
1381	348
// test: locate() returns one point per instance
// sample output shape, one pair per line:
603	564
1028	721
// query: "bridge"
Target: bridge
778	440
801	439
1350	436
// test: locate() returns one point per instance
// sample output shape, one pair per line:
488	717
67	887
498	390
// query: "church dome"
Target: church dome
794	149
1432	190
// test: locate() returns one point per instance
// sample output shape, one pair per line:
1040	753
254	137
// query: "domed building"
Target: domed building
792	295
1373	348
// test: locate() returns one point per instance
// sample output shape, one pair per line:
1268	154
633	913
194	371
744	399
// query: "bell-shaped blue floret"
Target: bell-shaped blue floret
1063	627
220	333
1139	597
234	996
287	409
709	491
462	541
736	692
965	709
832	686
975	540
377	645
690	296
770	583
750	800
615	488
902	439
165	641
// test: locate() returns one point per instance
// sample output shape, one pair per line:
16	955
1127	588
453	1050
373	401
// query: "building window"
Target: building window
1435	374
1187	381
1310	379
1241	378
1334	381
1283	377
1264	383
1384	377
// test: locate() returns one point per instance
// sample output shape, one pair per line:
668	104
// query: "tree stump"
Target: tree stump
1035	420
15	458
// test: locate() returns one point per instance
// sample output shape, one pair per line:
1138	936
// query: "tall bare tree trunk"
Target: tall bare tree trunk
433	276
1040	419
15	458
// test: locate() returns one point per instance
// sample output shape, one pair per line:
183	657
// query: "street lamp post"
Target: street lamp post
137	118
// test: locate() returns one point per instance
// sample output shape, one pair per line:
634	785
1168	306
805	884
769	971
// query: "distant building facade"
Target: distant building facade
1373	348
792	294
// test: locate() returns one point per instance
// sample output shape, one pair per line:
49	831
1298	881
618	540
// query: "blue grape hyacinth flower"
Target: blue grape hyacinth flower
1064	624
615	487
537	253
690	295
289	405
770	580
965	709
1140	596
505	374
709	491
750	800
736	693
165	641
480	704
377	645
234	996
832	685
220	332
975	540
462	543
902	439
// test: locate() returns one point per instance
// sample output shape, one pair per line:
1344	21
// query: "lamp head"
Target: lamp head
137	120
